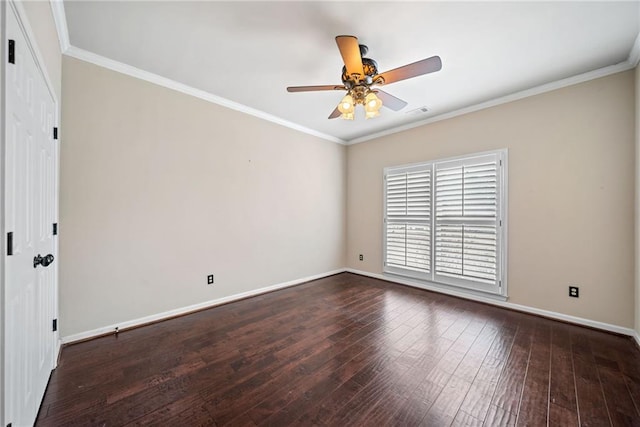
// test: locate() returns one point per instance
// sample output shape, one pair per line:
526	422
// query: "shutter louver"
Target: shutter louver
466	220
479	195
444	222
408	221
466	252
397	195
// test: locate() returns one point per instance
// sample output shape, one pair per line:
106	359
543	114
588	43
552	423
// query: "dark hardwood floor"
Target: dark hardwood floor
349	351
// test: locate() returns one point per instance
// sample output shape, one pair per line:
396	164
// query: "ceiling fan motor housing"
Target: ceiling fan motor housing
370	68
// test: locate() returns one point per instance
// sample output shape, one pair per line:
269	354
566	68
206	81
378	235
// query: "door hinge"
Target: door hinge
499	283
55	228
12	52
55	325
10	243
500	162
55	133
500	223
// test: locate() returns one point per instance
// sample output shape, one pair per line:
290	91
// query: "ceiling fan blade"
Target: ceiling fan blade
419	68
335	114
390	101
350	51
314	88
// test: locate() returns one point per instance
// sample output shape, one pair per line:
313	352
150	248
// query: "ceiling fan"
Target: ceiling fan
360	75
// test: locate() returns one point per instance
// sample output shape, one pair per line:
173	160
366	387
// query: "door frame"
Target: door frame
16	9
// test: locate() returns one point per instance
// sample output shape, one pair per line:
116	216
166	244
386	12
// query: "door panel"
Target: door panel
30	189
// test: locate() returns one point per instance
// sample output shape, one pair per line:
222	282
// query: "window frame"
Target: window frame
497	290
397	270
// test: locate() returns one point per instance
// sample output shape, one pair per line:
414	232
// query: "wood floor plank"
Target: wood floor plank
534	410
498	417
592	406
188	411
478	399
463	419
561	416
562	388
508	391
450	399
348	350
621	407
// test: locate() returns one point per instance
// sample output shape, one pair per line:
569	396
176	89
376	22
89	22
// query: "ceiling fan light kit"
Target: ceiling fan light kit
372	105
360	95
347	107
359	74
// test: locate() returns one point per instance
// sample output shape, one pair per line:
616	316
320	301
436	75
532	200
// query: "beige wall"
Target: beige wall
159	189
571	193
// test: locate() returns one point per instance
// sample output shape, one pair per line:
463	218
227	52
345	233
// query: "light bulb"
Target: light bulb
346	105
347	116
371	105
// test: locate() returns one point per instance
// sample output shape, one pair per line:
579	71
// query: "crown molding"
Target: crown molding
632	61
57	7
60	19
548	87
634	54
123	68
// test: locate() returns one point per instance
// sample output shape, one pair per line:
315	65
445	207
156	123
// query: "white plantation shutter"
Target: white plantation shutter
408	220
466	221
443	221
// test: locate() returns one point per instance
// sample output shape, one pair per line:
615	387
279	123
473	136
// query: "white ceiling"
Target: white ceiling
249	52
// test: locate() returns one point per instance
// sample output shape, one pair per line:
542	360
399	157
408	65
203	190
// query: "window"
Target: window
444	221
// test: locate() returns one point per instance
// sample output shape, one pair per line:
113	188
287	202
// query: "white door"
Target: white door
31	194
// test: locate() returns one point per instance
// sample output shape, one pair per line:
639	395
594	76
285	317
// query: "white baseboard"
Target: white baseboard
191	308
505	304
58	350
212	303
